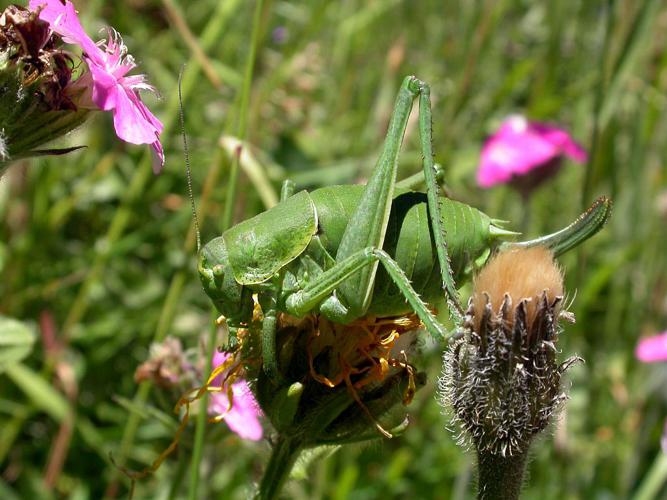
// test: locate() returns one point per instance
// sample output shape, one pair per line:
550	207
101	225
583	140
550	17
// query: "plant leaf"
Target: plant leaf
16	341
42	394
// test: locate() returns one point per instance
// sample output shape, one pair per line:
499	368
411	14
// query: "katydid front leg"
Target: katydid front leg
368	224
267	301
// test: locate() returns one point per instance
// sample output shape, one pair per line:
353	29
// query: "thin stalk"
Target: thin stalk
500	478
230	200
654	479
284	455
200	426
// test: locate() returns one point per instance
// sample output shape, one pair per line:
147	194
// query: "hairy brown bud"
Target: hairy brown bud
502	379
522	274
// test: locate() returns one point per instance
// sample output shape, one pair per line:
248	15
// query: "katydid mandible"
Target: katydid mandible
350	251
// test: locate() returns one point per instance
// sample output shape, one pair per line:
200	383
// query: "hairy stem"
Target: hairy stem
284	455
500	478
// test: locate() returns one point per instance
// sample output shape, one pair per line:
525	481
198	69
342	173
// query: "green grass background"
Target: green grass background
96	242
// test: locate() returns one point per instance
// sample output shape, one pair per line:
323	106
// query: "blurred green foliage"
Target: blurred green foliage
92	249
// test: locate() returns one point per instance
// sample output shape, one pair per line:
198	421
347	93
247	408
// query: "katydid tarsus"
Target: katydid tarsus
350	251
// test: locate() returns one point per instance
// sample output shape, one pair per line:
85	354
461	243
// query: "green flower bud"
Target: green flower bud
337	383
37	97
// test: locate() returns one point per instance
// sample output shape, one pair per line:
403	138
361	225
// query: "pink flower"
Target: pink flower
243	416
652	349
520	147
112	88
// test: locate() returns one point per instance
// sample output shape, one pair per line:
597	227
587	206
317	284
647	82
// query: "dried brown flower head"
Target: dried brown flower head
502	379
521	274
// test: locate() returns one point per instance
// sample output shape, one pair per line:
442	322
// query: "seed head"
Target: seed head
523	275
502	379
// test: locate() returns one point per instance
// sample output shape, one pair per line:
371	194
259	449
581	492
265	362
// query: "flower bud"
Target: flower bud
36	95
46	90
167	365
501	378
337	383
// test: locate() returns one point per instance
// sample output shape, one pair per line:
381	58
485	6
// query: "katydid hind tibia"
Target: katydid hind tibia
349	251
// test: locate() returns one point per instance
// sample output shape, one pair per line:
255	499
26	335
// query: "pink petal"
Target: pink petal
652	349
219	358
158	157
130	119
520	146
563	141
508	154
135	123
105	87
575	152
243	417
64	21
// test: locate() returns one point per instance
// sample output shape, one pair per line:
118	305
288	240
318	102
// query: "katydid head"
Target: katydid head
233	300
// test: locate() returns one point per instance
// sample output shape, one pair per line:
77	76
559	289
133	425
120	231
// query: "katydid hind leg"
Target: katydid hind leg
433	196
368	224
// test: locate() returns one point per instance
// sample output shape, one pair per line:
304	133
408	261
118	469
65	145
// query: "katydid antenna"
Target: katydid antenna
186	152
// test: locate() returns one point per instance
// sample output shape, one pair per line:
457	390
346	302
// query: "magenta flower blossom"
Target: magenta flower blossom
243	416
652	349
520	147
112	88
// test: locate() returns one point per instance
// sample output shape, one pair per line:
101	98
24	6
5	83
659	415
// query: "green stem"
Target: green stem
654	479
500	478
201	419
284	455
230	200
